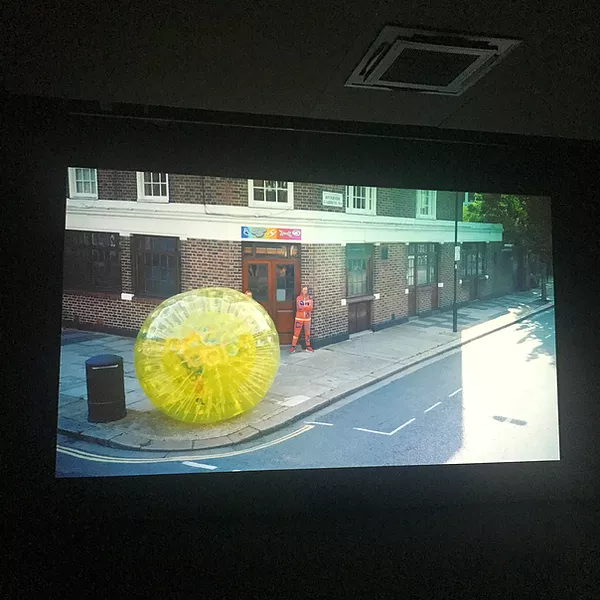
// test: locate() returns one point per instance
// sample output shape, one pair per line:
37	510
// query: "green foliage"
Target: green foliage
526	219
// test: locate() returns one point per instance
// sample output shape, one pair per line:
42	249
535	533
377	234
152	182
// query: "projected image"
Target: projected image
213	324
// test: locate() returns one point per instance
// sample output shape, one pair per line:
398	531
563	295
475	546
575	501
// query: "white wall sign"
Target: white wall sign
333	199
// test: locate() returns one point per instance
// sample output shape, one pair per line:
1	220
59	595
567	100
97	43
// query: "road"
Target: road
493	400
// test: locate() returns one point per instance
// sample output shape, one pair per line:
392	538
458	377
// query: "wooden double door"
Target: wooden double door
274	282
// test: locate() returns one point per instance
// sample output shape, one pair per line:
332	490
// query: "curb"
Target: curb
425	356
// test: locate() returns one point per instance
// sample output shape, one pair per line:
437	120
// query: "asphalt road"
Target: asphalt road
494	400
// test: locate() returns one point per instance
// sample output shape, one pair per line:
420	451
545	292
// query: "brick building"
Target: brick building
372	257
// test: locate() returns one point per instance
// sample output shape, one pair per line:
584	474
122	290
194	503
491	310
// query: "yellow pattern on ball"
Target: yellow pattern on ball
207	355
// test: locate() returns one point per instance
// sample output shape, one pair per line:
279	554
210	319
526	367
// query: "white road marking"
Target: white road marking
549	335
318	423
294	400
432	407
189	463
454	393
83	454
385	432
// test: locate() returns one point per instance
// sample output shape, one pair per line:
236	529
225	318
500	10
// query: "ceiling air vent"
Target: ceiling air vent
428	62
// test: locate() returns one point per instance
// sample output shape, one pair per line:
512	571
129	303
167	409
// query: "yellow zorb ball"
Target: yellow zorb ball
207	355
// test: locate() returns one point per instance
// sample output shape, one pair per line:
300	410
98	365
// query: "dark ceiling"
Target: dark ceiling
293	58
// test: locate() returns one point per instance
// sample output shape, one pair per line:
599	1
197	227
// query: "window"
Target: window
270	194
92	261
359	272
271	250
426	204
83	183
361	200
152	187
156	266
422	264
474	262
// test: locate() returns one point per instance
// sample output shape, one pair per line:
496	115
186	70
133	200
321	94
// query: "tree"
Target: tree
526	221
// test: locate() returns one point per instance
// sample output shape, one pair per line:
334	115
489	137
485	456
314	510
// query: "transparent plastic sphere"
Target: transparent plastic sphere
207	355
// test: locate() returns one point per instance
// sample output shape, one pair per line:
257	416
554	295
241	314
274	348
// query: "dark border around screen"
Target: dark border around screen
42	138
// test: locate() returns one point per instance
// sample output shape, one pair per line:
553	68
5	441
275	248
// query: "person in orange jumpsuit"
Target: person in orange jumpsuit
304	308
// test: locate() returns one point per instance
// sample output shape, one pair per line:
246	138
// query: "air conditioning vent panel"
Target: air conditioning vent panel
427	62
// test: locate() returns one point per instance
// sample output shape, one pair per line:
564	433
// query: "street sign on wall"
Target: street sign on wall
333	199
457	253
271	233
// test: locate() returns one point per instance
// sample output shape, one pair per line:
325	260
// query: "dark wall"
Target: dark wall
514	530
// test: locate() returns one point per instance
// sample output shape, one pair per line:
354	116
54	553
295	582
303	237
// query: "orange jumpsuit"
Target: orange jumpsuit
304	308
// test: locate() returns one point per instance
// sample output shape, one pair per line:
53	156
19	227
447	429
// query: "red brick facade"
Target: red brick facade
309	196
324	272
117	185
205	263
211	263
389	280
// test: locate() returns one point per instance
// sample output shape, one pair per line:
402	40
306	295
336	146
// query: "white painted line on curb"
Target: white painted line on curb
189	463
384	432
432	407
318	423
454	393
84	455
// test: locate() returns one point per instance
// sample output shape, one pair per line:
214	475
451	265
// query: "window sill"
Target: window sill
93	294
271	205
357	299
154	200
147	300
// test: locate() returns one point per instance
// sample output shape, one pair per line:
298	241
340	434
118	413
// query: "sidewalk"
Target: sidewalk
305	382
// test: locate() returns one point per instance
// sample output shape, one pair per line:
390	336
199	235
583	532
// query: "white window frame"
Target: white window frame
371	201
73	184
264	204
421	194
141	196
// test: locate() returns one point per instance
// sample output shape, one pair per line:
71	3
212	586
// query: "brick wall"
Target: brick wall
446	275
211	263
389	280
108	312
188	189
226	191
117	185
324	271
309	196
126	275
393	202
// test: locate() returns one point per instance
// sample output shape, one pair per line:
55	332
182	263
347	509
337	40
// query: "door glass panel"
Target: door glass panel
410	274
258	281
285	283
421	269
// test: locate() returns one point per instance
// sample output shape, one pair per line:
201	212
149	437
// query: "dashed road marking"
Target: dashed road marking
549	335
189	463
318	423
385	432
454	393
432	407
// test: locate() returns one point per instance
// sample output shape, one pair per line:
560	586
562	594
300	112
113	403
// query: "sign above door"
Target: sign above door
271	233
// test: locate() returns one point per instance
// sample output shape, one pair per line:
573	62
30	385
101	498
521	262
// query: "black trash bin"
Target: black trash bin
105	388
